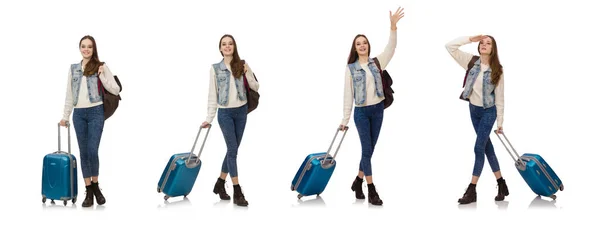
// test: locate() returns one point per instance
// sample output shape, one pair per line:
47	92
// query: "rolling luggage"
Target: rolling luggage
179	176
536	172
316	170
59	174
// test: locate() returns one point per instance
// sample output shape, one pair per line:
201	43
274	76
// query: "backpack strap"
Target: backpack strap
469	66
377	63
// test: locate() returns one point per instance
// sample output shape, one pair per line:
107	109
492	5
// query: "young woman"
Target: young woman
84	99
484	89
227	93
363	86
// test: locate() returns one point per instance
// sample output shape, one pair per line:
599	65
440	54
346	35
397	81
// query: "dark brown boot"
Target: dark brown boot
238	196
89	197
98	194
220	189
357	188
373	195
502	190
469	196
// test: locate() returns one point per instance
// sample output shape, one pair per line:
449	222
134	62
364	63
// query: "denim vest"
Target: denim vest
359	80
92	84
488	94
223	77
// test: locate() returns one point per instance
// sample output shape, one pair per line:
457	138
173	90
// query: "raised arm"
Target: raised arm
387	54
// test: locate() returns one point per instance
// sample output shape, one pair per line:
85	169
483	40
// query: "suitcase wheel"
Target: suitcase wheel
553	197
65	202
74	200
52	202
561	187
158	190
166	197
44	199
300	196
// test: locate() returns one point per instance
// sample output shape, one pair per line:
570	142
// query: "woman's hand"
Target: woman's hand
63	123
499	130
205	124
343	128
477	38
396	17
100	69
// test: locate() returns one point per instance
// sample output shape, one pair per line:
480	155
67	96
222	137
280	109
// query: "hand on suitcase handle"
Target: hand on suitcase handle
68	125
203	142
339	145
517	159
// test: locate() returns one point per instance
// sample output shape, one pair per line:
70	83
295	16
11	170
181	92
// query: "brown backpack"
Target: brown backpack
387	82
110	101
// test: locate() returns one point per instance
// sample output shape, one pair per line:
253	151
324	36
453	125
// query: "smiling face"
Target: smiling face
227	46
86	48
486	46
362	46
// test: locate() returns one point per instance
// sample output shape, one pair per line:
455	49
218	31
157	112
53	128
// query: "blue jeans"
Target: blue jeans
232	122
483	122
368	120
89	124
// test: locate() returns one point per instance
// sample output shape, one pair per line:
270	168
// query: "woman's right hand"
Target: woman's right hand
343	128
63	123
205	124
477	38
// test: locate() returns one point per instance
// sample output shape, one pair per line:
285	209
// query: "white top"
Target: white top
475	97
371	97
83	99
233	101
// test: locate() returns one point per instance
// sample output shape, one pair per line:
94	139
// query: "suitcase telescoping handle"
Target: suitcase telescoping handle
196	141
68	136
517	159
338	147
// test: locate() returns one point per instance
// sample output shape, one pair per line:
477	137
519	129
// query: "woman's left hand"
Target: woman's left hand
500	131
100	69
396	17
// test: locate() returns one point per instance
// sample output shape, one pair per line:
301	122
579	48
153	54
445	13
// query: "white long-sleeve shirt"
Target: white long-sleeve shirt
233	101
475	97
371	96
83	100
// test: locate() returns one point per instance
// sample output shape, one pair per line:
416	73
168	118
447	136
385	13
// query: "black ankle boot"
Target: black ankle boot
220	189
357	188
89	197
502	189
238	196
469	196
98	194
373	196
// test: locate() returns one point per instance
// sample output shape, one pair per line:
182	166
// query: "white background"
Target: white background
162	52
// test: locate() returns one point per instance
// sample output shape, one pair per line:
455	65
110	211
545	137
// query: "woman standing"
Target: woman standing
84	99
363	86
484	90
227	93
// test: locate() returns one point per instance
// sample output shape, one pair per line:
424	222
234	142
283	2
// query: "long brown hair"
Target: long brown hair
94	63
237	67
353	54
494	61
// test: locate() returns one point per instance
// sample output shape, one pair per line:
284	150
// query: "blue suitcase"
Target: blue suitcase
536	172
180	173
59	174
316	170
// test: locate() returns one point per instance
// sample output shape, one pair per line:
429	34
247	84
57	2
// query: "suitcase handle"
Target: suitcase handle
201	147
517	159
331	145
68	136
